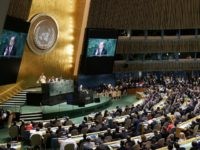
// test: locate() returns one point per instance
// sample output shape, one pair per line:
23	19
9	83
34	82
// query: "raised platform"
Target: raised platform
64	109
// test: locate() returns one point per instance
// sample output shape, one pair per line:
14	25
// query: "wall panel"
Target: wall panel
59	62
144	14
129	45
20	8
181	65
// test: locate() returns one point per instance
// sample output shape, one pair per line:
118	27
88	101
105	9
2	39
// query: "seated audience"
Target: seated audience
68	140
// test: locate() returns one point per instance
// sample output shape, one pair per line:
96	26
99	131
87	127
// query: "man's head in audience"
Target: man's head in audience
84	136
69	135
194	145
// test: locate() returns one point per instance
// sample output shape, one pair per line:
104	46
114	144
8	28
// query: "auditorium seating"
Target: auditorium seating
154	112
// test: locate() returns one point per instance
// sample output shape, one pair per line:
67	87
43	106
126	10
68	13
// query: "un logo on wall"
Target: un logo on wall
43	34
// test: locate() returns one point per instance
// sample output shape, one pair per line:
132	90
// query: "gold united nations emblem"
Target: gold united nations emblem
43	34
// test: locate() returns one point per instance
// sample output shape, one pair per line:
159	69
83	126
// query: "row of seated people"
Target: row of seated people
105	90
173	104
113	93
63	130
114	134
151	79
43	79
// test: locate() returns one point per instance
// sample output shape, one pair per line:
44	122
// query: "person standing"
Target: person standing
10	49
100	51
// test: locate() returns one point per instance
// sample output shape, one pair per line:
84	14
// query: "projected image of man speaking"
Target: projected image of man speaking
100	51
10	49
97	47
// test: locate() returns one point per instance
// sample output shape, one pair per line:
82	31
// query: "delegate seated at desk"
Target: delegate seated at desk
66	141
53	79
42	79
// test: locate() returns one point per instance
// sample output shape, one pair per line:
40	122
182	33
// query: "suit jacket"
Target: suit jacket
12	53
97	52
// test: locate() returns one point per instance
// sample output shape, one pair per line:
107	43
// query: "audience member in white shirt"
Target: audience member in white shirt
64	142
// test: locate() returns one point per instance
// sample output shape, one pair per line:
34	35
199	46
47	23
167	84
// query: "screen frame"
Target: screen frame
102	40
11	65
87	63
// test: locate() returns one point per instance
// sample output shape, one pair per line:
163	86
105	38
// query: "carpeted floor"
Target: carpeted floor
125	100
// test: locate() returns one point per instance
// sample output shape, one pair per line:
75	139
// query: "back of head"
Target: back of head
128	138
69	135
102	147
122	143
176	145
170	147
84	136
194	144
8	145
143	138
88	139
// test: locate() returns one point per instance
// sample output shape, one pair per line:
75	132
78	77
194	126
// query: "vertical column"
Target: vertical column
196	33
81	38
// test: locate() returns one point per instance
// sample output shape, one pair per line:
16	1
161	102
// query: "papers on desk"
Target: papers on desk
62	138
14	144
41	132
115	145
93	136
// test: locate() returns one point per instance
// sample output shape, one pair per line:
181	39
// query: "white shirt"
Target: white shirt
100	51
8	50
67	141
32	132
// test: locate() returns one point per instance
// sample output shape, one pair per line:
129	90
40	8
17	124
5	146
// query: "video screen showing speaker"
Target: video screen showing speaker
98	51
101	47
12	42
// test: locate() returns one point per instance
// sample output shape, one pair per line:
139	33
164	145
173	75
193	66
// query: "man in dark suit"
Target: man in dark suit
10	49
100	51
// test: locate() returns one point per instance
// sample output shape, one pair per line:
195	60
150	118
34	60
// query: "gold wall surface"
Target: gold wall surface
60	61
